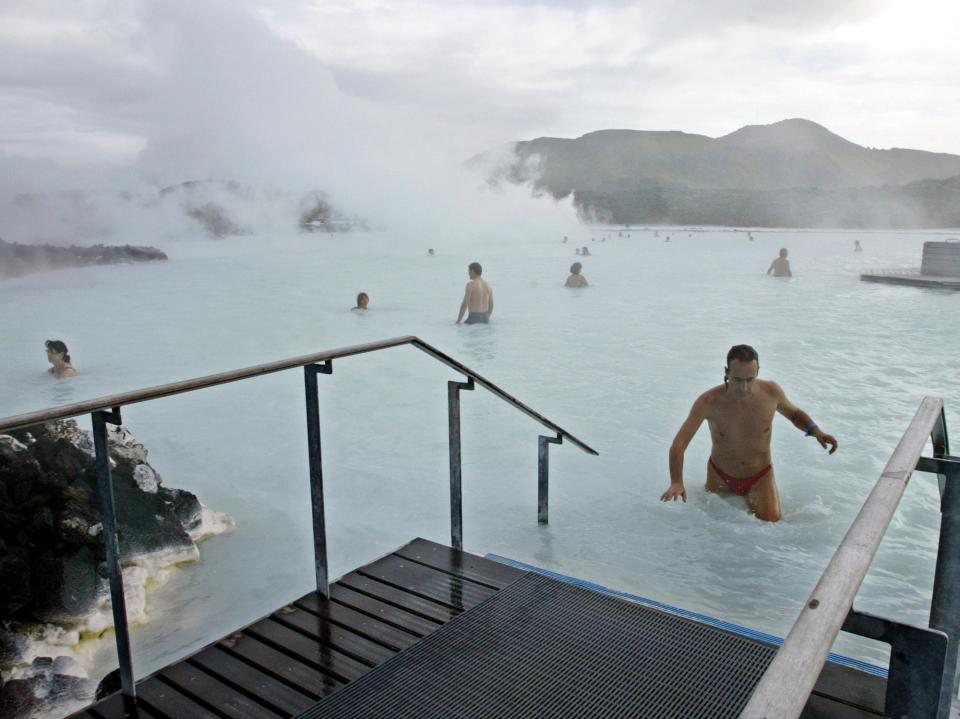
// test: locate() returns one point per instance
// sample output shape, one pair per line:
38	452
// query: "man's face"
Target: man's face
741	377
471	274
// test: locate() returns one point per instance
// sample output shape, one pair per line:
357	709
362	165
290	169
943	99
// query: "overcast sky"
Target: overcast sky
171	90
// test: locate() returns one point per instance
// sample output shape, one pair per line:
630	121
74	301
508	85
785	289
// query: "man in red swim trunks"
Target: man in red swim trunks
740	415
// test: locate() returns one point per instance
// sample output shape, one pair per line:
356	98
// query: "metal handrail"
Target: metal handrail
166	390
106	410
786	685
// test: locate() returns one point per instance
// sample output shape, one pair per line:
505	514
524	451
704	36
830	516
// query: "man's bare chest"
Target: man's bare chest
740	423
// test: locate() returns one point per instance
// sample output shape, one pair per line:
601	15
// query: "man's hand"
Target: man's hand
677	490
825	439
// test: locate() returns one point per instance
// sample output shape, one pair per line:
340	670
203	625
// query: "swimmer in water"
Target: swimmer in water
478	297
430	252
59	357
780	267
363	299
740	416
585	251
856	246
576	279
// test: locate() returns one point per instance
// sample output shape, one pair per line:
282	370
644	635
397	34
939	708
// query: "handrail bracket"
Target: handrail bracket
108	516
456	491
543	475
310	373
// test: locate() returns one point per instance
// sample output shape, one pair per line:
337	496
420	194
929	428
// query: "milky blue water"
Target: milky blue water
617	364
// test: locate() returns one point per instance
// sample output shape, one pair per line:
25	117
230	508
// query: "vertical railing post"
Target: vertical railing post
114	571
543	475
456	493
941	444
945	604
316	474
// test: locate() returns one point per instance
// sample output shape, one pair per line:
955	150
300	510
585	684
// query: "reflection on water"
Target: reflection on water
62	391
477	343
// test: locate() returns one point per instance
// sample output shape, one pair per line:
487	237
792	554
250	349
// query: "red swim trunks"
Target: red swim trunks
740	486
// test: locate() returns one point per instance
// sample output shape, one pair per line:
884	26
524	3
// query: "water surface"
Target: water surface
618	364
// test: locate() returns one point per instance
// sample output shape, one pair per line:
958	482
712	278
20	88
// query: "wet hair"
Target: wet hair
475	268
783	251
742	353
59	347
361	296
575	268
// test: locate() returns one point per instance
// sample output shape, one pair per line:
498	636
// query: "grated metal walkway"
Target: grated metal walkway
385	622
543	648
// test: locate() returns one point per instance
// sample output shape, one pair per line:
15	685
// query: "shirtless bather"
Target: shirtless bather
780	267
478	297
576	279
740	416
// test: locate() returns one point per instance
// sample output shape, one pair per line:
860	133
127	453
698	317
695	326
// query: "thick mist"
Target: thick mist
210	92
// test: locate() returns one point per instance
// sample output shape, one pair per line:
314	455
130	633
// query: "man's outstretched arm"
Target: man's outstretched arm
801	420
686	432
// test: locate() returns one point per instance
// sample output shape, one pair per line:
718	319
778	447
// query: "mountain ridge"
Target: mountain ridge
611	171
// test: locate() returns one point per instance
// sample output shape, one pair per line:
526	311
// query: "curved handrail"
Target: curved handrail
166	390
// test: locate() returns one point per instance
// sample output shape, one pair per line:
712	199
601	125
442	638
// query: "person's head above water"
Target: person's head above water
739	375
363	299
575	268
474	270
783	252
57	347
59	356
430	251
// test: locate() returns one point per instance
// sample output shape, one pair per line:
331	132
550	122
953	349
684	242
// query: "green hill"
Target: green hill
790	173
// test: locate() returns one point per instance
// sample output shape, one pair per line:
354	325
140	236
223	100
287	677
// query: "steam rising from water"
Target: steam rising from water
209	91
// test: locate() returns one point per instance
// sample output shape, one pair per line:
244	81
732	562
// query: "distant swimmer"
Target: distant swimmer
564	239
740	416
59	357
478	297
780	267
585	251
430	252
856	246
363	299
668	238
576	279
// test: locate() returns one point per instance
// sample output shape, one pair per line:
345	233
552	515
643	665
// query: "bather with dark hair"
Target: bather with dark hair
740	415
59	356
576	279
477	297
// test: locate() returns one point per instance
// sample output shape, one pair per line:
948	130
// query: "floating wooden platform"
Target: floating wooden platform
913	278
286	664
